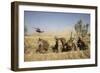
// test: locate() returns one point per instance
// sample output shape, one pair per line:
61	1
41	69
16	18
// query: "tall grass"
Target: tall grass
31	45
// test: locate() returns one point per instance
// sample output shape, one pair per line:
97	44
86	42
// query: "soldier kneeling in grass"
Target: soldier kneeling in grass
43	46
81	44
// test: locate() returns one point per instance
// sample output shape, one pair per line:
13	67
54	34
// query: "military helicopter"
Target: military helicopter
38	30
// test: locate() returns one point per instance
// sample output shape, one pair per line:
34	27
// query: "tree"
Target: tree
25	30
81	29
78	27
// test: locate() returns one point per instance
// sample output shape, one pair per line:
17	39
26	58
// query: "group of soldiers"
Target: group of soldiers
61	45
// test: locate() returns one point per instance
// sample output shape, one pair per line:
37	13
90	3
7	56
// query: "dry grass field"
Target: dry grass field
58	56
31	45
